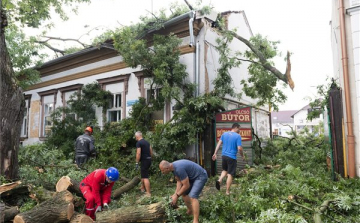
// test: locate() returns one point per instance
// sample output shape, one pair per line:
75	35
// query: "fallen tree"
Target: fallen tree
143	213
59	208
128	186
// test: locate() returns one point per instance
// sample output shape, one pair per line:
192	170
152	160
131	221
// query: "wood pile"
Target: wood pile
59	206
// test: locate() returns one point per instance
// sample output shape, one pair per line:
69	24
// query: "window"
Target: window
118	86
48	101
67	93
48	109
114	109
152	94
25	122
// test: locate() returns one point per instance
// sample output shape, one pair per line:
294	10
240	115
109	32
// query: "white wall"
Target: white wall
352	30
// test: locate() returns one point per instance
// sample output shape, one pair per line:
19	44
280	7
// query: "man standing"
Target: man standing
84	147
190	180
96	189
143	154
231	145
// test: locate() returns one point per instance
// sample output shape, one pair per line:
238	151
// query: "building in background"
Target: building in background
301	122
282	122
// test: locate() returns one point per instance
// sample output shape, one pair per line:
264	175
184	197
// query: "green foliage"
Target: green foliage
69	122
262	84
223	81
24	53
319	104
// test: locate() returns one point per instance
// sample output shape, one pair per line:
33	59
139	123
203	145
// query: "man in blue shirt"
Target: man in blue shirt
190	180
231	145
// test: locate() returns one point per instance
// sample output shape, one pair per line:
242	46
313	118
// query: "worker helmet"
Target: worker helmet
112	173
89	129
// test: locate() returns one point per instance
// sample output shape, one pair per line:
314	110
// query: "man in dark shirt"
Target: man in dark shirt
84	147
143	154
190	180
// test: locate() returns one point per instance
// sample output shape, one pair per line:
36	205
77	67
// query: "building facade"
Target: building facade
62	77
345	43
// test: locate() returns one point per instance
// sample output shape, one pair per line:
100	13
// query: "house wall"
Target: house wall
352	30
283	129
300	121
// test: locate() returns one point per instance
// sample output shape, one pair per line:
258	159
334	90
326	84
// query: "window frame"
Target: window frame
25	120
43	94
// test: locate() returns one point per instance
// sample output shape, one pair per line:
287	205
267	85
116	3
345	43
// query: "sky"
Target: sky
302	27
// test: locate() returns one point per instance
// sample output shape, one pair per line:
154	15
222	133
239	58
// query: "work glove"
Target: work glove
105	207
98	209
136	166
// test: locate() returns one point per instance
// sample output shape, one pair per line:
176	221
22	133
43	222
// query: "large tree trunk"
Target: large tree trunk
143	213
55	210
128	186
11	109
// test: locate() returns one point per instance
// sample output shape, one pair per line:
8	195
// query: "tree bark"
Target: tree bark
11	109
128	186
40	194
66	183
143	213
10	213
9	186
81	218
55	210
15	196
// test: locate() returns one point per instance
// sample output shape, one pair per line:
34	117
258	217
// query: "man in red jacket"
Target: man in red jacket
96	189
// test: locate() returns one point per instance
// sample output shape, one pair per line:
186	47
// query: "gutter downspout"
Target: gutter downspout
345	67
196	93
191	28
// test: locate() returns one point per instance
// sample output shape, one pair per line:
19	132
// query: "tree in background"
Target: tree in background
15	61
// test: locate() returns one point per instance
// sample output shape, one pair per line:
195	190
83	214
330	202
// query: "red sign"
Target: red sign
239	115
245	133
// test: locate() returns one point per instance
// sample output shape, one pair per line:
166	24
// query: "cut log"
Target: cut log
55	210
9	186
142	213
10	213
128	186
66	183
81	218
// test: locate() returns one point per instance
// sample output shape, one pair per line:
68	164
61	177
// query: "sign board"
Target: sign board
244	132
241	115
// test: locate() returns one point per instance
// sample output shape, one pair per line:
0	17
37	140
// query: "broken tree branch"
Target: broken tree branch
286	78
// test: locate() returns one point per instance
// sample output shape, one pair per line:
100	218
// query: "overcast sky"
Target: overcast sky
302	27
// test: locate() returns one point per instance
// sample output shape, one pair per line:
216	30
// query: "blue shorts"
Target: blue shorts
197	185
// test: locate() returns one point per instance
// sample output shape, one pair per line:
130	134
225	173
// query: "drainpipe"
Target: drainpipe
191	29
345	66
196	93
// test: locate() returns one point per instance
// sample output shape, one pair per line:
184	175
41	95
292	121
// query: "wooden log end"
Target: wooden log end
63	184
70	211
18	219
81	218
